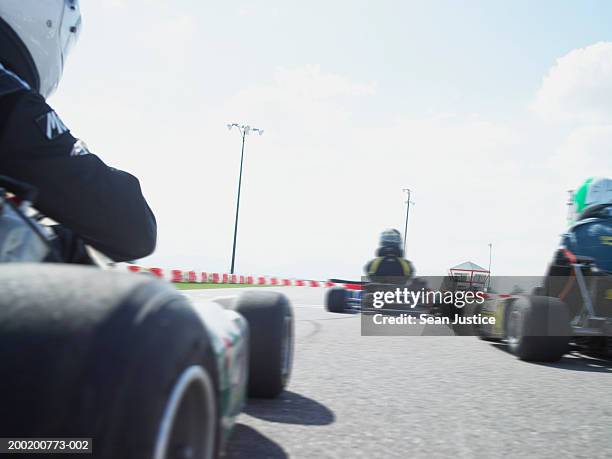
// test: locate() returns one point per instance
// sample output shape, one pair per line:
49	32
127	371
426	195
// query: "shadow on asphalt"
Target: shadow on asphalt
246	442
574	361
291	408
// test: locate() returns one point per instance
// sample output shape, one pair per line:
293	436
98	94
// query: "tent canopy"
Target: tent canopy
469	266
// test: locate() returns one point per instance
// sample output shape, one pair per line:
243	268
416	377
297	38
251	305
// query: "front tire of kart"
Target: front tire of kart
538	328
271	324
335	299
119	358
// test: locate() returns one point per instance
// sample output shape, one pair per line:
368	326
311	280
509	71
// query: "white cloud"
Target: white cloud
585	153
301	99
578	87
309	81
577	91
319	186
576	96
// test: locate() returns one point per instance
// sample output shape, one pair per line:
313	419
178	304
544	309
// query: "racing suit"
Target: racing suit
591	237
94	203
389	266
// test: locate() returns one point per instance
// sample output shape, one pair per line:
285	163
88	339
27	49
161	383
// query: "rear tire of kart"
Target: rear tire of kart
271	324
335	300
596	345
119	358
489	339
538	328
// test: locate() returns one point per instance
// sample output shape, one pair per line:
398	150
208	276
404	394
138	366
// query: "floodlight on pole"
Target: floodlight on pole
244	130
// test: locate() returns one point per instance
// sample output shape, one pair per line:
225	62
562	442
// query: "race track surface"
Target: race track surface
432	396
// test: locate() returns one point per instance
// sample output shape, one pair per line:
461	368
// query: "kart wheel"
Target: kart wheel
335	300
187	427
596	345
538	328
489	339
270	319
119	358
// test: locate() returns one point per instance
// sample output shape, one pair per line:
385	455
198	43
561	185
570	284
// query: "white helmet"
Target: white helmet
48	29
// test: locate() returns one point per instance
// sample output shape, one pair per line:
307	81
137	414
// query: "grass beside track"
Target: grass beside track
188	286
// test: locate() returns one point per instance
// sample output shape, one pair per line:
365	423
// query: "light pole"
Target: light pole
244	130
408	202
490	254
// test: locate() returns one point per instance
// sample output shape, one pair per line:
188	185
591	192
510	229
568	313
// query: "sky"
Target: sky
489	111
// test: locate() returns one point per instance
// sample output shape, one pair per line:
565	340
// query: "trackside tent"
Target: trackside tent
469	276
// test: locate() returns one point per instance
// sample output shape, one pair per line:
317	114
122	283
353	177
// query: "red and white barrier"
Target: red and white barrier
197	277
203	277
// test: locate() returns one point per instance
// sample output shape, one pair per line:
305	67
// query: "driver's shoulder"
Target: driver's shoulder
12	91
29	124
11	83
15	94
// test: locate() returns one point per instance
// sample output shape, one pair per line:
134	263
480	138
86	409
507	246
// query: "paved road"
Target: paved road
422	396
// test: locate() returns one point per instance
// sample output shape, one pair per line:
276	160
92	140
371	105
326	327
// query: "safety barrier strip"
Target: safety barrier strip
203	277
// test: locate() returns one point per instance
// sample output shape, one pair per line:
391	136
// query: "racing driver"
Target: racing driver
590	231
390	266
94	203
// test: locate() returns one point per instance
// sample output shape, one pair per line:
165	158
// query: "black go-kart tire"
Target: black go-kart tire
335	299
600	346
538	328
119	358
489	339
271	341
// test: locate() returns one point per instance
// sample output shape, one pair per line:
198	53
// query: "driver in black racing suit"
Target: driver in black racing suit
95	203
390	266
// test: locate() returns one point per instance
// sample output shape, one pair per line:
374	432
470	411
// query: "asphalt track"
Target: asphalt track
421	396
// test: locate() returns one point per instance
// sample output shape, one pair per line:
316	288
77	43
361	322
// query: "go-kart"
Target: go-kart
573	306
358	296
344	296
123	359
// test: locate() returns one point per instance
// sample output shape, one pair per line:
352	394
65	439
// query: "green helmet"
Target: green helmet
595	191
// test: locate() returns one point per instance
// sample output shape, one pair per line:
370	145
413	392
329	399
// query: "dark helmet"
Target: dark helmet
391	238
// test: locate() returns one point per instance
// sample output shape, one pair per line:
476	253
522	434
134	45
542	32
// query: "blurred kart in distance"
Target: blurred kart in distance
344	296
358	296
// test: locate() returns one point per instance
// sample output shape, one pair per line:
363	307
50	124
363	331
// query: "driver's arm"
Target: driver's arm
103	205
